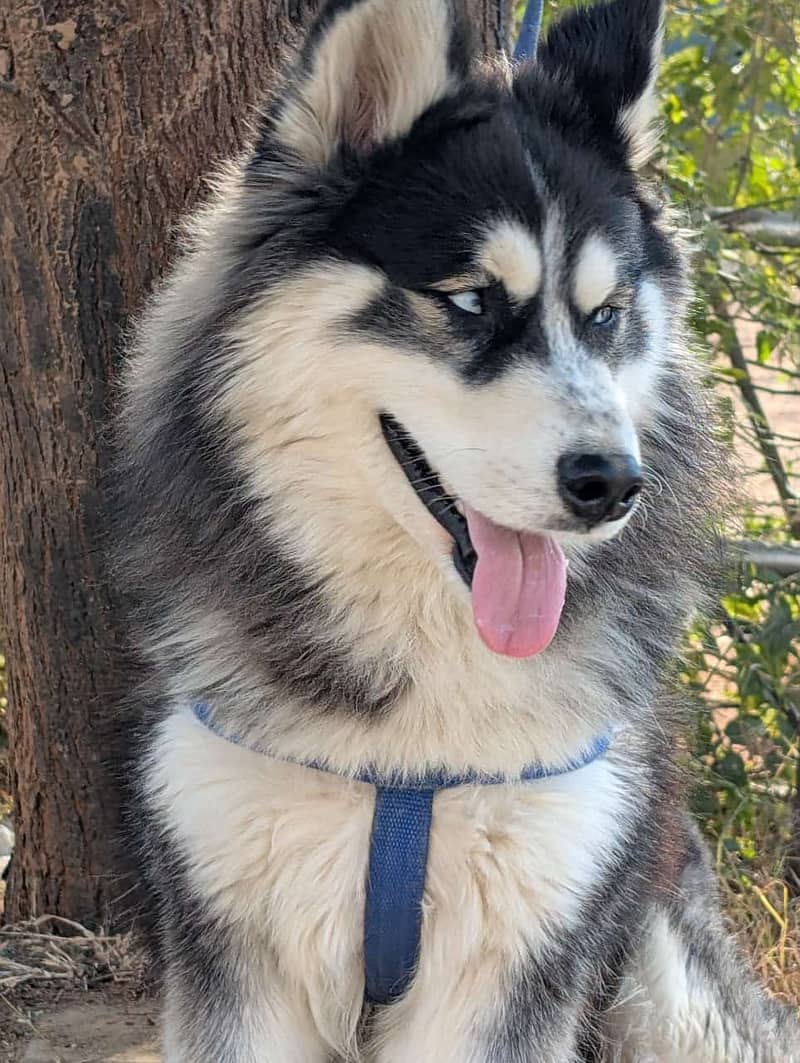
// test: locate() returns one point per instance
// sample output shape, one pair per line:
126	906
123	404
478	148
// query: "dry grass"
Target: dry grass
766	920
58	951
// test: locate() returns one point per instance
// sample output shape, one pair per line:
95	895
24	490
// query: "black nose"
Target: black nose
599	487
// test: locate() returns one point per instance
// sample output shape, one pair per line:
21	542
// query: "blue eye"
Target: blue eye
604	315
470	302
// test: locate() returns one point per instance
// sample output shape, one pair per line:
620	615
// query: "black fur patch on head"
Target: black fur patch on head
437	189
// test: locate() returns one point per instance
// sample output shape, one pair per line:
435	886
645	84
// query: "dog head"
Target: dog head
454	271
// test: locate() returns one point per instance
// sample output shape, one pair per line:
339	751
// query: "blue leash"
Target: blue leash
529	30
398	854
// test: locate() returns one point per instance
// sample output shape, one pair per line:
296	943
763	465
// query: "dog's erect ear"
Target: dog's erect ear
370	68
610	54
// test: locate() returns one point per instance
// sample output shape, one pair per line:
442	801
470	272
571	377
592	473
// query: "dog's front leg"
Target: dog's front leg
483	1015
255	864
224	1002
689	995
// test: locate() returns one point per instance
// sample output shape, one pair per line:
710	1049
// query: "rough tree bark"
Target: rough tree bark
493	19
110	113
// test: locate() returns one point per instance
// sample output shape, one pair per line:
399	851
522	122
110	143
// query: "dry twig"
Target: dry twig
52	949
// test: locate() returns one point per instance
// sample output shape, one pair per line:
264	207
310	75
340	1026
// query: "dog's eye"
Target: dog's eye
471	302
604	315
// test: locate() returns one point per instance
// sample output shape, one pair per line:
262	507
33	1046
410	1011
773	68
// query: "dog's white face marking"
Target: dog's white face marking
596	274
498	445
637	378
556	318
511	254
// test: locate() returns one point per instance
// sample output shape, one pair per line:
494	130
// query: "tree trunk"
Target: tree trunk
493	19
110	113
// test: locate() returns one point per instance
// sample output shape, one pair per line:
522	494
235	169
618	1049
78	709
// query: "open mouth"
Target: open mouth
442	506
517	578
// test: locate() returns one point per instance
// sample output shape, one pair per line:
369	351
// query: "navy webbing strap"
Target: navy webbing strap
398	860
398	854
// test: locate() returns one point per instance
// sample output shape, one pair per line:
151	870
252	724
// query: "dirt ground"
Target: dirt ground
109	1024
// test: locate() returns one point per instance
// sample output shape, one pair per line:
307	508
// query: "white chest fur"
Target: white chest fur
281	851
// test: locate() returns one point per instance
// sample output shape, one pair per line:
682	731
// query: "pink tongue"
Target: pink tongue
518	588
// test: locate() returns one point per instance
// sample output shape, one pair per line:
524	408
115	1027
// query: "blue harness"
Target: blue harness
398	856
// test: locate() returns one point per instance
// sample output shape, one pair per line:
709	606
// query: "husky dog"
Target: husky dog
417	477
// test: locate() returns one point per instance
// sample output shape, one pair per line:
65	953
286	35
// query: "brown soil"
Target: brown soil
107	1024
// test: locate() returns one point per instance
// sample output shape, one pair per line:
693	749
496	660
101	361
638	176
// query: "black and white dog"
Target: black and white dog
417	480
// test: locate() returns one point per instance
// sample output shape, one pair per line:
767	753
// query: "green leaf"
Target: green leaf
765	345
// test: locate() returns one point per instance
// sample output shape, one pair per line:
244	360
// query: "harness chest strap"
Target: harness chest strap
398	856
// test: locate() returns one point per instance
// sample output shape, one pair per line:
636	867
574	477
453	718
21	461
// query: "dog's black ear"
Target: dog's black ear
609	55
369	69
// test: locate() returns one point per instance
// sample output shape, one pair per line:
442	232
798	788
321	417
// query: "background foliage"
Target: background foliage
730	163
731	159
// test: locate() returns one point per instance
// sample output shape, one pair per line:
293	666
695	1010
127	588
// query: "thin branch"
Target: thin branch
774	250
779	227
747	433
757	318
780	558
793	392
758	419
727	212
731	280
774	368
723	378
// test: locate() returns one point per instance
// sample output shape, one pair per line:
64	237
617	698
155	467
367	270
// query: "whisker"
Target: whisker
665	485
423	481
